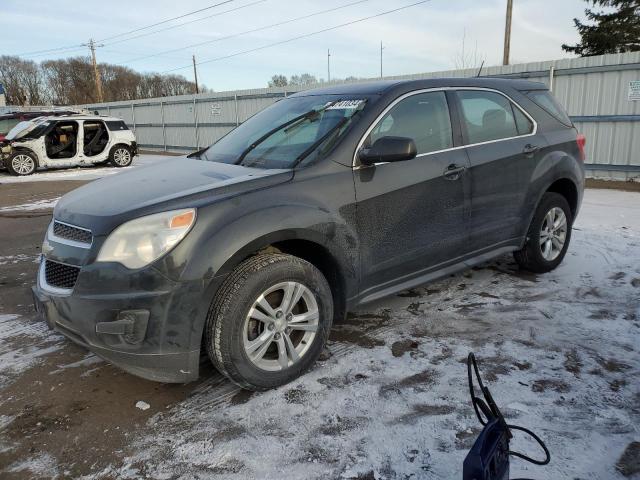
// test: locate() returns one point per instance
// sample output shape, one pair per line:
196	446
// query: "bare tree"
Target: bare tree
71	81
278	81
22	80
467	57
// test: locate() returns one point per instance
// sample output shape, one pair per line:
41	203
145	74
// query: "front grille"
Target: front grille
69	232
60	275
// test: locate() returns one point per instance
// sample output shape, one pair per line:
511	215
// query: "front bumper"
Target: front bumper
145	327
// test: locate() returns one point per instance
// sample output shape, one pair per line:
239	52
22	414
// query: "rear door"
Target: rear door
411	214
503	151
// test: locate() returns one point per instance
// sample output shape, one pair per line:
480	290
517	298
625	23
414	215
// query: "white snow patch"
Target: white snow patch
81	173
17	354
44	465
87	361
13	259
142	405
47	204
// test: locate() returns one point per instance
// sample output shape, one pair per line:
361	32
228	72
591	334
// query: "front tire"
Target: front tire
548	236
269	321
120	156
21	163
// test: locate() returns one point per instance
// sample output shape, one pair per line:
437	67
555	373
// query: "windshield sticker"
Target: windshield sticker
346	105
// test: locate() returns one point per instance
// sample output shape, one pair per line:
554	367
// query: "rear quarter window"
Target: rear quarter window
545	100
116	125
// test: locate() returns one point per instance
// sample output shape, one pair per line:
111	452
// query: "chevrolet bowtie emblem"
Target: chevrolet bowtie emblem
46	248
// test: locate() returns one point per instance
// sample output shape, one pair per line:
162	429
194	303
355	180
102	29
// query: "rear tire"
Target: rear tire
120	156
21	163
269	321
548	236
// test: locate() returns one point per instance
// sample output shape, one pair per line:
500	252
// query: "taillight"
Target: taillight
581	140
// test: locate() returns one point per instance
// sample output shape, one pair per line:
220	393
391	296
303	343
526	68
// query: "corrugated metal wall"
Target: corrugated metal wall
594	91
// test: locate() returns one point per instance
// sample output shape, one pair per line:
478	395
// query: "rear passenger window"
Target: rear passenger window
489	116
423	117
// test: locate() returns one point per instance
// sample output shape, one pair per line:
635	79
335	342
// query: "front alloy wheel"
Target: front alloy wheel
22	164
269	321
281	326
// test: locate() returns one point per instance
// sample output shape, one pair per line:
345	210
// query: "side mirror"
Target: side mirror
388	149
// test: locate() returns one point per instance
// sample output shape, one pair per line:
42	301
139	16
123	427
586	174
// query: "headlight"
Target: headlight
139	242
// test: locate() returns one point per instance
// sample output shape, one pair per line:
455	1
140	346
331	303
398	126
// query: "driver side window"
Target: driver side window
423	117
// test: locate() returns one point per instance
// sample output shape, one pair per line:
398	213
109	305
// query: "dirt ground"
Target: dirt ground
64	413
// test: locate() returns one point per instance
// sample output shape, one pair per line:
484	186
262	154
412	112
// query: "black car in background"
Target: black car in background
324	201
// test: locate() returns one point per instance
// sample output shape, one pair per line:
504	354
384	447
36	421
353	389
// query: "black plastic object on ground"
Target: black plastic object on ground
488	459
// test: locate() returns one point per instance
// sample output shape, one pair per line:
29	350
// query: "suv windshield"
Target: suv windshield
287	132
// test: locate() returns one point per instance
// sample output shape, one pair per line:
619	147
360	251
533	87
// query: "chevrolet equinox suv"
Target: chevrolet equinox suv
324	201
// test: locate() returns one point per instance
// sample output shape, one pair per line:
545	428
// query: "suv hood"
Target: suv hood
23	128
178	182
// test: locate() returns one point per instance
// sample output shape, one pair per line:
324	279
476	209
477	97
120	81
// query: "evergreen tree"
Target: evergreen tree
616	31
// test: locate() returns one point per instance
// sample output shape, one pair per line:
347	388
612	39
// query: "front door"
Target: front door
411	214
61	143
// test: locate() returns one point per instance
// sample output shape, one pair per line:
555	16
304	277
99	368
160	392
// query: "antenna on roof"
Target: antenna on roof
480	70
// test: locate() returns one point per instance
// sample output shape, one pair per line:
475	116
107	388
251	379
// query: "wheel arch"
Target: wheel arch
305	244
569	190
28	150
564	184
118	144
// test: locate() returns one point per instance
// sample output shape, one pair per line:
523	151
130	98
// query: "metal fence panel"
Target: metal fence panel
594	90
180	138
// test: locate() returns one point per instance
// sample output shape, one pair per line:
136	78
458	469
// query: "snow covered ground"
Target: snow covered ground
560	352
80	173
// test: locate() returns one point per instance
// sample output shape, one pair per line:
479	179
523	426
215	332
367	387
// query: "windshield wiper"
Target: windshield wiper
311	115
321	140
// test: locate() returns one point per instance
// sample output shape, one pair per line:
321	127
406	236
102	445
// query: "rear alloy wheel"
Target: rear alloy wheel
553	234
121	156
269	321
21	163
548	235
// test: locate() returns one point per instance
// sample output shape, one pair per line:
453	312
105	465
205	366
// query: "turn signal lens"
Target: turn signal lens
183	220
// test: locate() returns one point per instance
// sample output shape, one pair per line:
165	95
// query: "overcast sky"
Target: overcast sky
426	37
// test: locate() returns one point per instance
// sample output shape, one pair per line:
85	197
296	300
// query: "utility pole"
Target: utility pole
195	73
92	46
381	49
507	33
328	65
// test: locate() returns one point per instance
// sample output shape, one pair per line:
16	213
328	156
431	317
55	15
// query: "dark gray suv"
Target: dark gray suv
326	200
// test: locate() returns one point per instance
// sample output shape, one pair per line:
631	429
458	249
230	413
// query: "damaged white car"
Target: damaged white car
67	141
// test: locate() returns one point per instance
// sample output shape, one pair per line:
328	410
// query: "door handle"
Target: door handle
454	171
530	149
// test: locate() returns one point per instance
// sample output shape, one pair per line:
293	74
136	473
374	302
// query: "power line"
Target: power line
167	20
254	30
299	37
187	23
39	53
75	47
